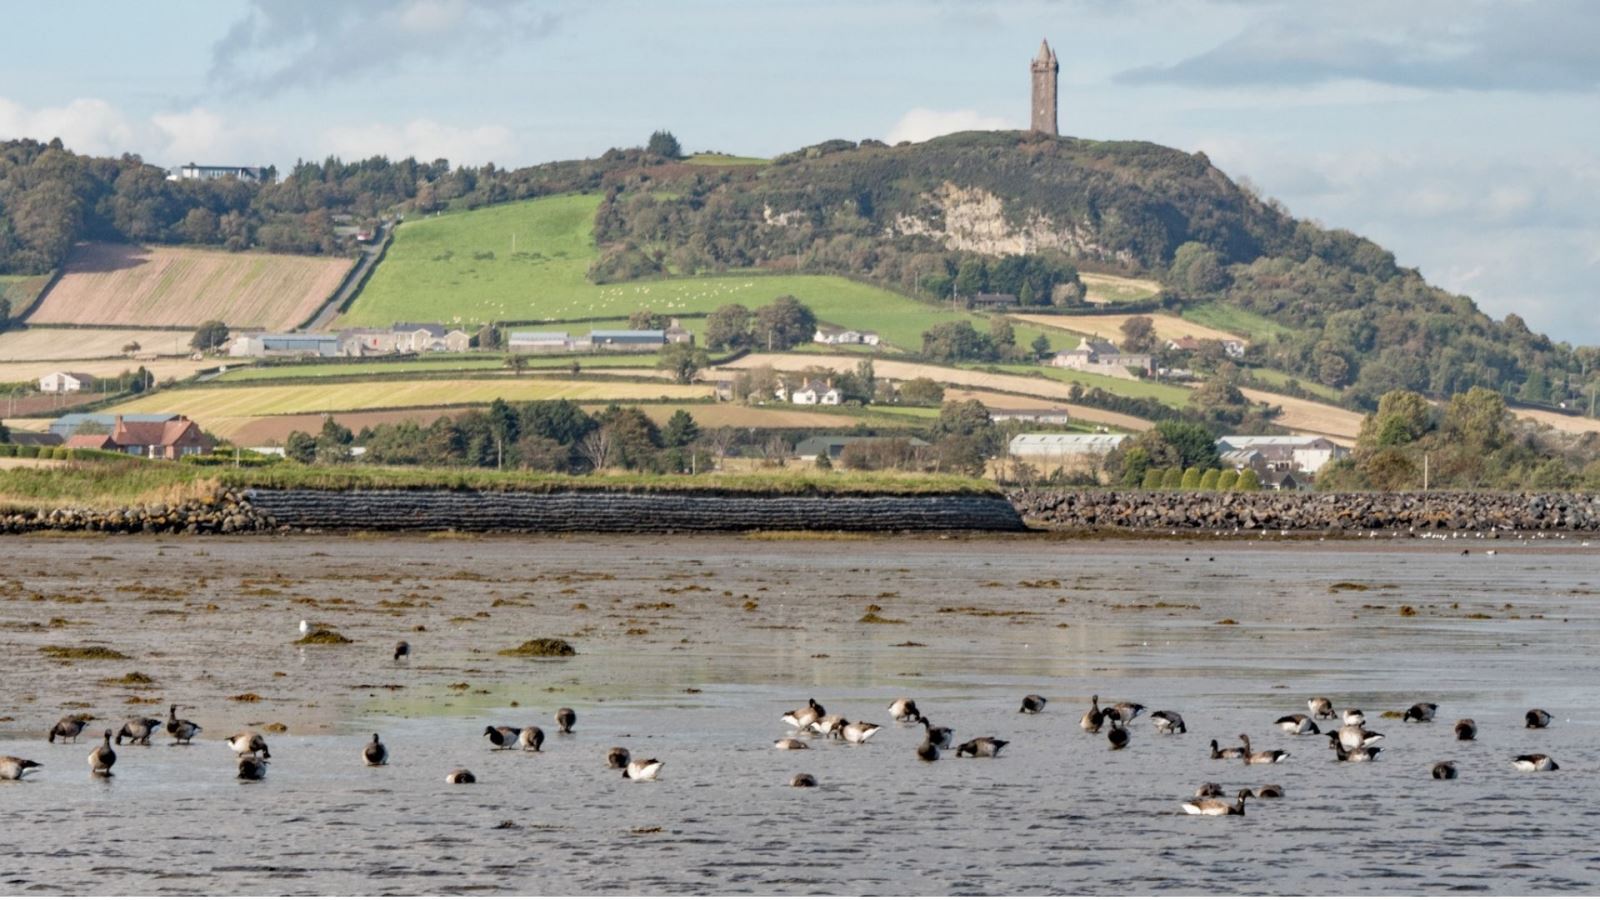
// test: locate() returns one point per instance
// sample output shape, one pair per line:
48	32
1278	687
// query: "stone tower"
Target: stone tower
1045	68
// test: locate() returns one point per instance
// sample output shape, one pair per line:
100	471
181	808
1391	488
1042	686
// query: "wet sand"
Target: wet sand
689	649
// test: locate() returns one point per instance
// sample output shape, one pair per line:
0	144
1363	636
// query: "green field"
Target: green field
722	159
21	290
1278	378
1234	319
460	269
1170	394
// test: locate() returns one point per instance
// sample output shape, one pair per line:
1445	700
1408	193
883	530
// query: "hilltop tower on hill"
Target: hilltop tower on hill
1045	68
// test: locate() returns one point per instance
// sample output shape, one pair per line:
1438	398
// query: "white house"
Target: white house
1102	357
1295	452
65	382
194	172
812	393
828	334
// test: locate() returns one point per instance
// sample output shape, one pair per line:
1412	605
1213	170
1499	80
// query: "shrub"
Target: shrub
27	452
1173	479
1208	481
1191	479
1152	478
7	450
1248	481
1227	480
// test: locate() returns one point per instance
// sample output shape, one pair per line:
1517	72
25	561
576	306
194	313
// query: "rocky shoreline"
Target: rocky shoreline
1210	512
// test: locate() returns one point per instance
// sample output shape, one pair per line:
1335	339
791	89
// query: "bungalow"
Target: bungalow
430	337
175	438
65	383
814	393
828	334
1287	453
645	340
1050	416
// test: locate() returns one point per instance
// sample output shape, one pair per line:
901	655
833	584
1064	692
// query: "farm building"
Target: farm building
1285	453
992	301
35	439
832	445
68	425
545	342
827	334
366	342
1050	416
1102	357
195	172
1066	453
1231	347
65	382
267	344
174	438
677	334
430	337
644	340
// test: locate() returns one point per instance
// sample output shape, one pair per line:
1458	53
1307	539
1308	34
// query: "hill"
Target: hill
148	286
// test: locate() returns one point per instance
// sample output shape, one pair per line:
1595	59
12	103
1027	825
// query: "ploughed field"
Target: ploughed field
690	649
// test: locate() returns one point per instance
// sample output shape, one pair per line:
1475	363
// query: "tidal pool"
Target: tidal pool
691	648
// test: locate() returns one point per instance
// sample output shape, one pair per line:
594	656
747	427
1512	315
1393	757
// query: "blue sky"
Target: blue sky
1463	135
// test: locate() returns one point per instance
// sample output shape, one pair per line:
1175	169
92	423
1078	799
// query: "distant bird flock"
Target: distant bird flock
1348	738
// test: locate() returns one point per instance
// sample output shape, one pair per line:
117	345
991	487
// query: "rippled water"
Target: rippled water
1056	813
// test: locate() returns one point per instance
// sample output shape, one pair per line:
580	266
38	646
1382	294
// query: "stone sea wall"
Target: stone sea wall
1329	513
247	511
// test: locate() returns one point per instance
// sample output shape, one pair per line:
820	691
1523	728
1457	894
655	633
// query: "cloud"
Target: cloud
425	139
1431	44
282	44
86	125
921	124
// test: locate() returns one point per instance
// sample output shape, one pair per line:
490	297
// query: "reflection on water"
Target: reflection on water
1057	812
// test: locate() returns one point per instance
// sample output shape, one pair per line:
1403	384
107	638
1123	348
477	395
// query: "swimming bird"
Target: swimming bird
927	751
1354	717
67	729
1168	722
249	743
1216	806
1536	718
1209	789
12	768
790	744
1226	752
1094	718
940	736
1354	736
102	758
460	776
1261	757
500	736
983	746
531	738
1466	730
182	730
305	628
1033	703
1352	754
1127	712
858	732
1299	723
565	719
905	710
1444	771
617	757
803	780
375	753
402	650
1534	762
643	770
1117	735
805	715
138	730
1321	707
1420	712
252	769
1268	792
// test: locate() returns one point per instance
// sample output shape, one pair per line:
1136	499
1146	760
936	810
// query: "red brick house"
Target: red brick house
175	438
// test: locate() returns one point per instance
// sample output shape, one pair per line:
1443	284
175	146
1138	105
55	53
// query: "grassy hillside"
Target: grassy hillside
127	284
461	268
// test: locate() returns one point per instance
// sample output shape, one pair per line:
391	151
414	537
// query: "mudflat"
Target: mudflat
689	649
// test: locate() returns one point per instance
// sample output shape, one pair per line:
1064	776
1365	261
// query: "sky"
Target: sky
1464	135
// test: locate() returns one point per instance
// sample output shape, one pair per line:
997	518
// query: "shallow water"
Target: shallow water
701	684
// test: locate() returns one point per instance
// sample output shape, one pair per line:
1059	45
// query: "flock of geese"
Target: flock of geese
1349	739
